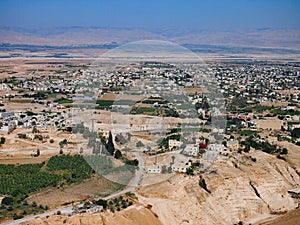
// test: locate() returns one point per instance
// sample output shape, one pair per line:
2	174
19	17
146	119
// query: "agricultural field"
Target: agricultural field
33	188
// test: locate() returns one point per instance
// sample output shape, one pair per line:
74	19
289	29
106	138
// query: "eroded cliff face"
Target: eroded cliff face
236	194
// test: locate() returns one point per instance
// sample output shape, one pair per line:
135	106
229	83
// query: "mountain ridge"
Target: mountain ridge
263	38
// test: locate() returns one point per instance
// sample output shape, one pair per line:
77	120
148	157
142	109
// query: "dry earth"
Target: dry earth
56	197
133	215
254	193
181	200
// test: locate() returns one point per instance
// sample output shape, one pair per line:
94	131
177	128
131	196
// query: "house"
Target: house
95	208
6	115
233	144
181	167
8	127
191	150
287	117
174	144
216	147
153	169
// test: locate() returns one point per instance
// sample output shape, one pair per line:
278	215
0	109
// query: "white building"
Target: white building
9	127
233	144
174	144
181	167
156	169
216	147
191	150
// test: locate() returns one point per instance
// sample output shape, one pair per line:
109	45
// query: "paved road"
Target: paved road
137	178
66	210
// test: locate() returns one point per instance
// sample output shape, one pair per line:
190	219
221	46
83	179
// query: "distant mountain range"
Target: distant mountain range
77	36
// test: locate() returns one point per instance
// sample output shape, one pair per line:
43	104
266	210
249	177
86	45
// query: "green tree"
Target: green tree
110	145
34	130
247	148
139	144
102	202
189	171
118	154
2	140
164	169
7	201
284	151
295	133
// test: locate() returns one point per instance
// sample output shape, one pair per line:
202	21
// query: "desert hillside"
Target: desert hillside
249	193
238	190
132	216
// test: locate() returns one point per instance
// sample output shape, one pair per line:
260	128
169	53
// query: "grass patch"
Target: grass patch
247	132
284	112
143	110
63	101
259	108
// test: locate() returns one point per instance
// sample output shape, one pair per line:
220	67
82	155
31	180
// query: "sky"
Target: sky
152	14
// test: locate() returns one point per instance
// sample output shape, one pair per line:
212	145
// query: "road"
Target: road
137	178
48	150
68	210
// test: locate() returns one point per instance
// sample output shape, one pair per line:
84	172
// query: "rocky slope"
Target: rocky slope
237	194
239	189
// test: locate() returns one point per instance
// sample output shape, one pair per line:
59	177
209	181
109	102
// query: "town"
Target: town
140	124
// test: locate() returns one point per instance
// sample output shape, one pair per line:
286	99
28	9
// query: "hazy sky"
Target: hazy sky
152	14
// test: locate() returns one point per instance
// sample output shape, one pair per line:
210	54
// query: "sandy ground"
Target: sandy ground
291	218
24	66
56	197
232	198
272	122
293	156
23	160
133	215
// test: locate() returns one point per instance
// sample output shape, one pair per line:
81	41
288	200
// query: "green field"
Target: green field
144	110
20	180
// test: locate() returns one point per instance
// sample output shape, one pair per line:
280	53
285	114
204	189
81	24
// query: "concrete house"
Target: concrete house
174	144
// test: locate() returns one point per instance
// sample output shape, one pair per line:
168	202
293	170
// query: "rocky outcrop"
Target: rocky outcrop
237	194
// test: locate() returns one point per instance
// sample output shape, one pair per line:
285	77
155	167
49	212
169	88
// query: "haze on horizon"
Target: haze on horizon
152	15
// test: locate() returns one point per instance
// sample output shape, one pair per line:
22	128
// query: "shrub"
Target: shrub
23	136
102	202
280	157
253	159
284	151
16	217
139	144
118	154
7	201
2	140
